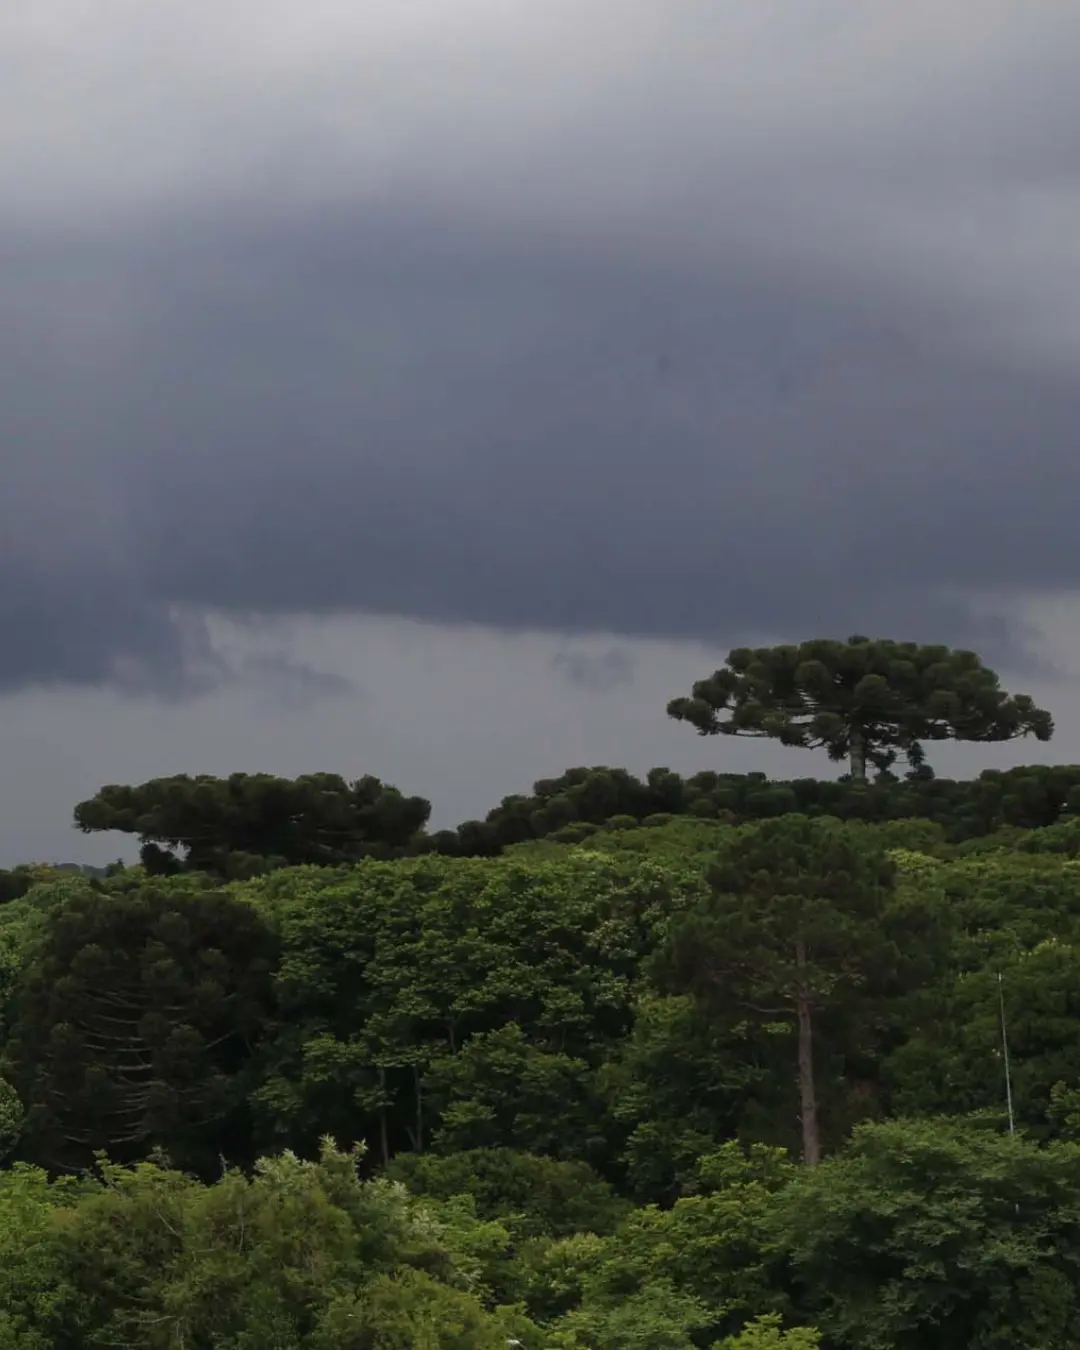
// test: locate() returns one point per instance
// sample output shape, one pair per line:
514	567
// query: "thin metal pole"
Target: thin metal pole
1005	1052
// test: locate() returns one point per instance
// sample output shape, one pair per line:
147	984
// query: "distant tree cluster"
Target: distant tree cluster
865	701
572	807
581	801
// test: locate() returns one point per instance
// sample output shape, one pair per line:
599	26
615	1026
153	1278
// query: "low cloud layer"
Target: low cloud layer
597	672
696	321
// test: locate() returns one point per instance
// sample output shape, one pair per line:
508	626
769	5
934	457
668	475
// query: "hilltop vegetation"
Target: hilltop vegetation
716	1063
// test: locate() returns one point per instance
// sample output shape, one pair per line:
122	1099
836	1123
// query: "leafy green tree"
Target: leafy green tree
1000	905
299	1254
679	1085
15	883
536	1196
389	970
583	802
578	798
134	1024
865	701
1064	1110
499	1089
243	825
690	1273
767	1333
936	1235
657	1317
11	1117
38	1298
411	1311
797	928
681	839
954	1061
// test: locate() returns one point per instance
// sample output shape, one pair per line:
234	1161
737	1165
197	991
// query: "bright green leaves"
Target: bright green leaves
767	1333
476	996
38	1294
934	1235
300	1254
501	1087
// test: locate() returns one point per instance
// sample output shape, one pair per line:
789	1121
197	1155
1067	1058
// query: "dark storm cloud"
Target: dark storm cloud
340	420
775	398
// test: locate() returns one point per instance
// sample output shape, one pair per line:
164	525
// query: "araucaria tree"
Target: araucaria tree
864	700
797	925
248	823
133	1025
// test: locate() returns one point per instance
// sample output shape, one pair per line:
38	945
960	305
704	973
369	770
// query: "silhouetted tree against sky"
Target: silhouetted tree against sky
864	700
235	826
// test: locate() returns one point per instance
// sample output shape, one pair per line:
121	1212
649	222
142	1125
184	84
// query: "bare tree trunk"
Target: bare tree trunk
857	757
384	1134
811	1137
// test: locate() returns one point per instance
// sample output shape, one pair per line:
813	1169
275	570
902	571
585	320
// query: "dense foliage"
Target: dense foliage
244	823
713	1064
861	700
576	1073
570	808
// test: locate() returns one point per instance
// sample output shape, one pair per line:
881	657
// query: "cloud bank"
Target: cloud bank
683	321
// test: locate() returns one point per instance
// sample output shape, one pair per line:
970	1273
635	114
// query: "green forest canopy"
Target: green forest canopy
655	1062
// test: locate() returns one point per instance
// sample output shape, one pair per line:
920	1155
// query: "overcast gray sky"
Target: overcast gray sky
433	388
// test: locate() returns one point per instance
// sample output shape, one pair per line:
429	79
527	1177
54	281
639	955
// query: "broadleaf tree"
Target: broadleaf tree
865	700
935	1234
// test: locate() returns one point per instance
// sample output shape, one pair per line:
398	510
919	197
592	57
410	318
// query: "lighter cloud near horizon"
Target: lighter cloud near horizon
463	716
